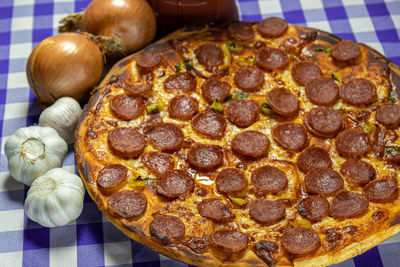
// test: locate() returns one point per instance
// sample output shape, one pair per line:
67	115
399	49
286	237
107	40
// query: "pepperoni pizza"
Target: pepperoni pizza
247	144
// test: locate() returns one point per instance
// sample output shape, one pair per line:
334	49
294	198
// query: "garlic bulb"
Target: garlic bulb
55	199
62	116
32	151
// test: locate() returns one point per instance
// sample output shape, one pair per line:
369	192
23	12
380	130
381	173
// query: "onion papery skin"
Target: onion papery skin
133	21
66	64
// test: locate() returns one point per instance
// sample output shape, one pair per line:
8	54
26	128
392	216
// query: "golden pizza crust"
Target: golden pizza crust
88	168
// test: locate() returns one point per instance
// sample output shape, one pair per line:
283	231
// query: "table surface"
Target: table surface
92	240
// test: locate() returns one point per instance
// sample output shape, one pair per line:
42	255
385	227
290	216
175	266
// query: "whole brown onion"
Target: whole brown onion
66	64
133	21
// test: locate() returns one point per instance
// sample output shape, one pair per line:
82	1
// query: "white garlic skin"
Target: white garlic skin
55	199
32	151
62	116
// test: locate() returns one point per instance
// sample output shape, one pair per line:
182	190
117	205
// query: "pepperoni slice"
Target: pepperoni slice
111	175
229	241
269	179
183	82
348	205
272	27
270	59
323	122
215	90
357	171
182	107
126	142
147	60
304	71
241	31
381	191
389	115
249	78
127	203
169	229
209	123
290	136
231	180
127	107
250	144
322	91
346	51
314	208
175	183
358	92
242	112
205	157
158	162
210	56
267	211
213	208
313	157
164	136
300	240
283	102
323	181
352	143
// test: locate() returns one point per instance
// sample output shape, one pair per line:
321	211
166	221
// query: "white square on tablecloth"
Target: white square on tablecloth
20	50
17	80
361	24
23	2
396	21
321	25
269	7
16	110
63	257
22	23
311	4
355	2
7	183
116	253
11	258
12	220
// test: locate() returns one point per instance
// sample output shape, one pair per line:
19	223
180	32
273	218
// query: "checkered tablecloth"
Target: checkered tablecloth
92	240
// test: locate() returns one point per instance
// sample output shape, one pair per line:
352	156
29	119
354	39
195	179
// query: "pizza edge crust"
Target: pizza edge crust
87	168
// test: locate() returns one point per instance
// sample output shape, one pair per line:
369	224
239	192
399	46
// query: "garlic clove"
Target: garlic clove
32	151
62	116
55	199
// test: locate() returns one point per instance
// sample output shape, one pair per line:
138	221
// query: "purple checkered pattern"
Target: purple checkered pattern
92	240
